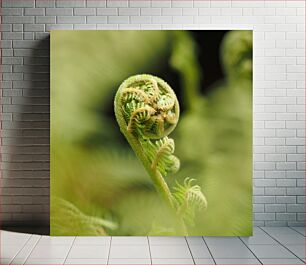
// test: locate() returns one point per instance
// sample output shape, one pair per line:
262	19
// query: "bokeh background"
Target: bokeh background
98	186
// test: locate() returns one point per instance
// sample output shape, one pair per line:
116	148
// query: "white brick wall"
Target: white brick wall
279	91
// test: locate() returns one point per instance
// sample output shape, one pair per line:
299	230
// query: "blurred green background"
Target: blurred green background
98	186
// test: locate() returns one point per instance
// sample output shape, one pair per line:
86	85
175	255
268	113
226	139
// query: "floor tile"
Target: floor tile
12	238
167	240
129	252
298	250
299	229
281	261
56	240
237	261
171	252
4	261
195	240
9	251
45	261
257	230
49	252
85	252
218	241
230	252
17	261
129	261
259	239
164	250
129	240
92	240
172	261
204	261
271	251
86	261
290	239
33	240
23	254
199	251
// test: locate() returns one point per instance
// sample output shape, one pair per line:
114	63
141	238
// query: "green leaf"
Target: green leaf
160	153
67	219
189	199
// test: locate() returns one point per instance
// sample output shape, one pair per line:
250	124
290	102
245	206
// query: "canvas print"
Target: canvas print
151	133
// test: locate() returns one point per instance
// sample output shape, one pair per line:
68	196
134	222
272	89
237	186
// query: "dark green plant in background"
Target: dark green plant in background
98	186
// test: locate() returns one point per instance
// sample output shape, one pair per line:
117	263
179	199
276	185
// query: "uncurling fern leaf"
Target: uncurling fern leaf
160	153
189	199
147	111
130	94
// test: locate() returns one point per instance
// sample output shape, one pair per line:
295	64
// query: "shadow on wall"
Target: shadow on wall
27	181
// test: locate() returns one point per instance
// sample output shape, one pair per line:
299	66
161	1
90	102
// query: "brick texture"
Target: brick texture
279	92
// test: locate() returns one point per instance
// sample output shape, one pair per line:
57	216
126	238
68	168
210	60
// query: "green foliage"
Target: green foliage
160	154
184	61
143	213
236	53
82	79
93	166
68	220
189	199
147	110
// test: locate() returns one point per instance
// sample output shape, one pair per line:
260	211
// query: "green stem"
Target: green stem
158	180
155	175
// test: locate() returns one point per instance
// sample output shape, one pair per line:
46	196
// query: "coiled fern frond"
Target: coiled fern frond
148	105
147	111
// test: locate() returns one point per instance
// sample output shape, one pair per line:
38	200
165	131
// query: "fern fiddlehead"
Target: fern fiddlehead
147	111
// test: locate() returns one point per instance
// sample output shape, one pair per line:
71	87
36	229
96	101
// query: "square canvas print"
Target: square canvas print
151	133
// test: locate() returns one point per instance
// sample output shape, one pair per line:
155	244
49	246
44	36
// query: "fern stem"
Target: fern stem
146	109
159	182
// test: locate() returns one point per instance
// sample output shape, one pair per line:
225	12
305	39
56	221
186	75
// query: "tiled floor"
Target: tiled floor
282	245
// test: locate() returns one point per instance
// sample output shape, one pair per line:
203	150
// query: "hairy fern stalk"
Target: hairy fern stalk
147	111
